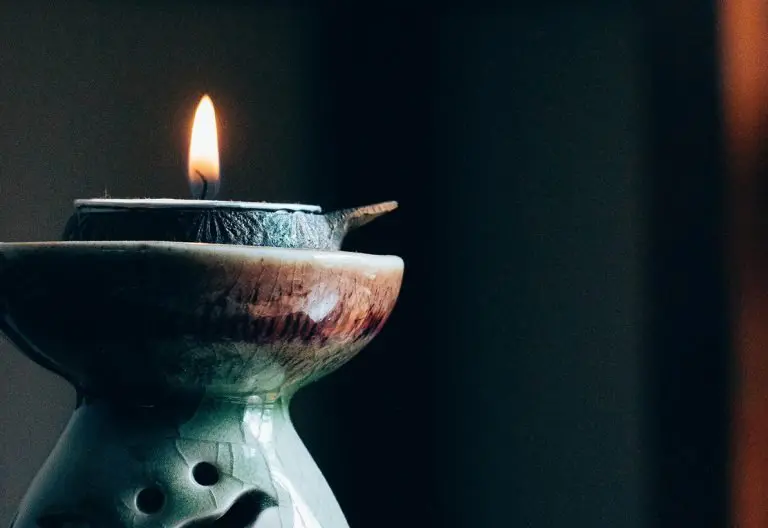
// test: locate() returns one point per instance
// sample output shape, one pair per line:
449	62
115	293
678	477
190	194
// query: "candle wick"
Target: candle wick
205	184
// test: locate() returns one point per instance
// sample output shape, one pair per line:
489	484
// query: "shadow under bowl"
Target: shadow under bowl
145	320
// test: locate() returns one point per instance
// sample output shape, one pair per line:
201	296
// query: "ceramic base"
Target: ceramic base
209	463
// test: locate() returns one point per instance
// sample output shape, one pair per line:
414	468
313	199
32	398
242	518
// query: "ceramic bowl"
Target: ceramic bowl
145	320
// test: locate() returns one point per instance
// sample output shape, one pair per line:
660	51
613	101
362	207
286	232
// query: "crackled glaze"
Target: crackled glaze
110	456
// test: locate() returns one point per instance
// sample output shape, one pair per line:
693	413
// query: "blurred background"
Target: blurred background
580	336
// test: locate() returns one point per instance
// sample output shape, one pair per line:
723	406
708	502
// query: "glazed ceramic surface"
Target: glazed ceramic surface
185	357
209	464
137	320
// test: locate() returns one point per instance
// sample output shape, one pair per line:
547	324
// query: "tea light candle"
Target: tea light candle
207	220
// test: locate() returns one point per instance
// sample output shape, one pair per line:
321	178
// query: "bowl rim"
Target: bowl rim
335	258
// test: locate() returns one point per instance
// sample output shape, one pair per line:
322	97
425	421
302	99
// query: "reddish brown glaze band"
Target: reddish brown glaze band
140	320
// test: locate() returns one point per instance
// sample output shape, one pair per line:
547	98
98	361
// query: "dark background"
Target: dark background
558	356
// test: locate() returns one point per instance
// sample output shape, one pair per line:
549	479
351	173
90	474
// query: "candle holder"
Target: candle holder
185	356
218	222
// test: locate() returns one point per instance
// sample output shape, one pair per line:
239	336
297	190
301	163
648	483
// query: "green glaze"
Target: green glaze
108	456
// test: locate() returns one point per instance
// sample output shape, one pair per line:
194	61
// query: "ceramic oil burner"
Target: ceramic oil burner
185	356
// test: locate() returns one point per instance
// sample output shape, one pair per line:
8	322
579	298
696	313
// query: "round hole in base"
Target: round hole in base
205	474
150	500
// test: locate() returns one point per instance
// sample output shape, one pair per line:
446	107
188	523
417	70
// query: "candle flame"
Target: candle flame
204	152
